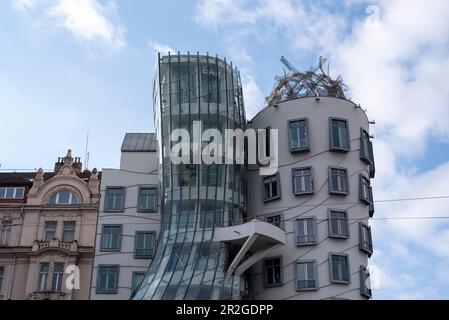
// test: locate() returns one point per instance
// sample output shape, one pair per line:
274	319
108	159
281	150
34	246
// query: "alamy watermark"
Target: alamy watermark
211	147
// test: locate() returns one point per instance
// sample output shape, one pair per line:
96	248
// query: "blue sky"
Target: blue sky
71	67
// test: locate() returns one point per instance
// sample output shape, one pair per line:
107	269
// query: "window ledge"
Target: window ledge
272	199
368	251
106	292
343	150
299	150
307	193
268	286
306	244
306	289
339	193
109	250
366	201
147	210
340	282
336	236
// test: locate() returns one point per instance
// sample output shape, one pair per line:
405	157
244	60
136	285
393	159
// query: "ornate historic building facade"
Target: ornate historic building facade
48	223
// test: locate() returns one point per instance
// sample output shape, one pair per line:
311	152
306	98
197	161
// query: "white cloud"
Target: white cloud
24	4
253	97
88	21
161	47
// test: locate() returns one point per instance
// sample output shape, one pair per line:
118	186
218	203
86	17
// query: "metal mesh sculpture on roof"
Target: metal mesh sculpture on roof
312	83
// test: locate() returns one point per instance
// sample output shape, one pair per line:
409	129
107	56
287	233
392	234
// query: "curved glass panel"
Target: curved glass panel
63	198
196	198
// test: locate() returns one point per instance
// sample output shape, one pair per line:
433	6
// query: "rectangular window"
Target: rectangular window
272	271
144	244
365	190
107	279
43	277
365	239
302	181
306	231
338	181
365	286
111	238
137	279
68	234
299	135
50	230
12	193
115	199
339	268
339	135
306	275
366	147
271	188
267	142
147	199
2	275
276	220
58	274
5	232
338	224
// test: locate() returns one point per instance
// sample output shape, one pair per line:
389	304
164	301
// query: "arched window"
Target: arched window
64	198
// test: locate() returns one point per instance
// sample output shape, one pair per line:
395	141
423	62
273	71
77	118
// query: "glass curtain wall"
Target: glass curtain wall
196	198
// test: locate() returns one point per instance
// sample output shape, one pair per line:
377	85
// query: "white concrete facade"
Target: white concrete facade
317	204
137	169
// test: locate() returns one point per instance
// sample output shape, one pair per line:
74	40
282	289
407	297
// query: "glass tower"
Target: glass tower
196	198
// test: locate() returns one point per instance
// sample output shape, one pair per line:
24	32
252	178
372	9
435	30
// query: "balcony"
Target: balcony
47	295
256	236
71	246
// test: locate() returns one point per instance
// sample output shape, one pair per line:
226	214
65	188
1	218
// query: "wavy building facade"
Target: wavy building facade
196	198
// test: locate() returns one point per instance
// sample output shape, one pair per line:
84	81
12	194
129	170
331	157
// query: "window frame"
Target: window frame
315	272
153	233
264	267
300	193
331	276
364	276
367	200
122	209
278	186
65	223
336	192
315	232
72	195
45	229
362	247
366	147
275	214
2	276
5	233
14	197
97	285
61	279
133	275
331	233
332	146
139	208
300	149
40	274
119	246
